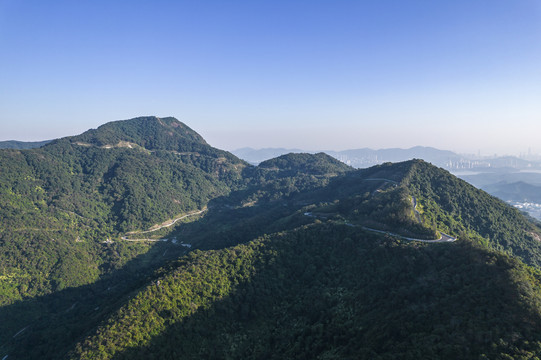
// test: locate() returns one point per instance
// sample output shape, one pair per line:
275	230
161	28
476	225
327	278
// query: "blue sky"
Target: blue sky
463	75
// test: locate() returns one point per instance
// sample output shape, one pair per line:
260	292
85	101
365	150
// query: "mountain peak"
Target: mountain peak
150	132
317	164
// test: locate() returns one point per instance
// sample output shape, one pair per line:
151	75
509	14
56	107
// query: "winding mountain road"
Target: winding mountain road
443	237
381	179
165	225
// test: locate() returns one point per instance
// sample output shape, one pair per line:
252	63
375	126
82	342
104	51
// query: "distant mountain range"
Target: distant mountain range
517	191
365	157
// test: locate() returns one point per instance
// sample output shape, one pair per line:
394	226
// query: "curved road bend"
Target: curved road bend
381	179
443	237
161	227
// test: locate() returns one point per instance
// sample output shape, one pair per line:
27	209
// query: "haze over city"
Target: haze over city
458	75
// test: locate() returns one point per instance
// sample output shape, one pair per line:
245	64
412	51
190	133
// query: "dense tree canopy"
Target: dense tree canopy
286	261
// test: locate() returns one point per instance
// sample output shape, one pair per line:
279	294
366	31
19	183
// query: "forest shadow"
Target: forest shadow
321	296
233	219
285	269
45	326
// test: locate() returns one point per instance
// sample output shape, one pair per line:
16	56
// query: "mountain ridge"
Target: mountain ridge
61	202
279	259
21	145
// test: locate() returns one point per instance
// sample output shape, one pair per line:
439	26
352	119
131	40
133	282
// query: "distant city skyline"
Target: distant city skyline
461	75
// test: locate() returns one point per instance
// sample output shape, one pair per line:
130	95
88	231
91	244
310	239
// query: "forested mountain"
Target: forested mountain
299	257
318	164
59	203
330	292
462	209
256	156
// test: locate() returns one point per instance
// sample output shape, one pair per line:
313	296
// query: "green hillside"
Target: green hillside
330	292
140	240
460	208
316	164
60	203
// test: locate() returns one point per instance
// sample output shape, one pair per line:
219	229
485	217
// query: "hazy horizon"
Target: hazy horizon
461	76
479	152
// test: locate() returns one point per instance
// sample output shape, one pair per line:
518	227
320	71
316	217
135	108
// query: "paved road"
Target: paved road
443	237
160	227
381	179
446	238
152	240
20	331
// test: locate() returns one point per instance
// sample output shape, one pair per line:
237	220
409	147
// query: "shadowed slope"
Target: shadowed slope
330	292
